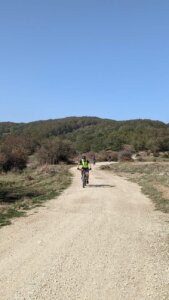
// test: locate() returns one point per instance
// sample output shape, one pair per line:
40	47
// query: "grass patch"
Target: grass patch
152	177
20	192
7	216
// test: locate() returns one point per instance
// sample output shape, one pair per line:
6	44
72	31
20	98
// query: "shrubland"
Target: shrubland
26	148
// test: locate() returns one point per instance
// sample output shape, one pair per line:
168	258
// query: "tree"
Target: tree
52	151
13	154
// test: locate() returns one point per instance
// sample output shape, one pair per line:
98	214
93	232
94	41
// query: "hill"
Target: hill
92	133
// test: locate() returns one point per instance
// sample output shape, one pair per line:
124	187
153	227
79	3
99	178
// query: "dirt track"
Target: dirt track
99	243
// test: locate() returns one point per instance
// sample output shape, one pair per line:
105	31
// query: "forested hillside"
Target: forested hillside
91	133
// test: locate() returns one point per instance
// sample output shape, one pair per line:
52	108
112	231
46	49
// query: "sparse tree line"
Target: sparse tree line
15	152
54	141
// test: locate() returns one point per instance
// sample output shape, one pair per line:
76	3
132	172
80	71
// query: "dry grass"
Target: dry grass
22	191
152	177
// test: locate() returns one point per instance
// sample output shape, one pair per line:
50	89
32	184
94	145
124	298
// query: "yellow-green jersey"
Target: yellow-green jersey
84	163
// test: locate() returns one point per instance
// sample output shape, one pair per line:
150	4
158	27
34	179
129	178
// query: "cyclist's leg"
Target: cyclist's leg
87	175
84	178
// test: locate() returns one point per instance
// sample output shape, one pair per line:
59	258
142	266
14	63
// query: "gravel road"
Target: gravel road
104	242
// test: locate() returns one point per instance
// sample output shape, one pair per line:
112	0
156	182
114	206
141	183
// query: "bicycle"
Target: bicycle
85	176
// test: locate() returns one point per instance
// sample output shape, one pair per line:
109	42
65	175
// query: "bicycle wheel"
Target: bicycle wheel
84	180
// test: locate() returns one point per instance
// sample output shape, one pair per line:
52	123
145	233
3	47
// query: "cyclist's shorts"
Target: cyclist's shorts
85	169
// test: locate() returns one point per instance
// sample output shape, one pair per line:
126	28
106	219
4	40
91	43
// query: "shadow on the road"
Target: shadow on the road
101	185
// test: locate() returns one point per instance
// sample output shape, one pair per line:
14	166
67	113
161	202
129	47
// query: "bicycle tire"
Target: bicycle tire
84	180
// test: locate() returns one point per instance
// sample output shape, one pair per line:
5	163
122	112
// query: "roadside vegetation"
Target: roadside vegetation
29	176
152	177
21	191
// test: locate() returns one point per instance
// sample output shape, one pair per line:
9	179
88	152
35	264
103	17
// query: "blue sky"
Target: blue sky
106	58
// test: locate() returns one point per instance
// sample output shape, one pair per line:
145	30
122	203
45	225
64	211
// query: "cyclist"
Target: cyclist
85	165
94	159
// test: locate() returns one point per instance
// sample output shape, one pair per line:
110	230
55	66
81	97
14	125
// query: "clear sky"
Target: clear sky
106	58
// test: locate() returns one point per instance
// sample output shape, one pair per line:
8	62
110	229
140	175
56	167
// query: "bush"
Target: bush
113	156
2	161
164	154
15	160
107	155
125	155
102	156
55	150
156	154
12	154
129	148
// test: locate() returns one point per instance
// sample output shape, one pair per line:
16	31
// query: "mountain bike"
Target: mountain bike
84	176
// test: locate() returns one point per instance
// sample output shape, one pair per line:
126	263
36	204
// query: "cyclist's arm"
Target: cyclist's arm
79	163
